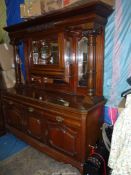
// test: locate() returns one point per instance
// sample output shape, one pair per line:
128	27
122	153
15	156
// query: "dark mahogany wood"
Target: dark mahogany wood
62	130
97	10
58	107
2	123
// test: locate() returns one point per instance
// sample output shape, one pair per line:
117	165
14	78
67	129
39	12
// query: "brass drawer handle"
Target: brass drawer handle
59	119
29	131
10	102
38	121
30	109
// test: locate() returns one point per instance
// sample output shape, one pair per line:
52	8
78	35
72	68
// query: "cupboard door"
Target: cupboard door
47	57
35	123
13	114
63	137
2	128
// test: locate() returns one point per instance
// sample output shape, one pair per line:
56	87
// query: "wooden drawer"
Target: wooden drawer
63	118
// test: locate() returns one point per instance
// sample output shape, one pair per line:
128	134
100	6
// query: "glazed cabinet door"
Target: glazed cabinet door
13	114
62	135
35	123
46	58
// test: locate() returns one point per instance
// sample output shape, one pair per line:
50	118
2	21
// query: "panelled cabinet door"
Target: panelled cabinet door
13	114
35	124
62	137
2	127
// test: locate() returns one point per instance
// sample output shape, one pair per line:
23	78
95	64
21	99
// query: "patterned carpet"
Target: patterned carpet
32	162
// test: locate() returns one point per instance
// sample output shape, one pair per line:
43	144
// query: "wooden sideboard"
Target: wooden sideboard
58	107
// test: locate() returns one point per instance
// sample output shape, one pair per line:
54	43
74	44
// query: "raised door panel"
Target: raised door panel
35	124
63	137
13	114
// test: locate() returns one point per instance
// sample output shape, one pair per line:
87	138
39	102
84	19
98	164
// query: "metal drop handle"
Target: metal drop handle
10	102
59	119
30	109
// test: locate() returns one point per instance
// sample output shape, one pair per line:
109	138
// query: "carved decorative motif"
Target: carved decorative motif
42	27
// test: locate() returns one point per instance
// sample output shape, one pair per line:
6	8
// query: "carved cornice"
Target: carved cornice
79	32
93	32
42	27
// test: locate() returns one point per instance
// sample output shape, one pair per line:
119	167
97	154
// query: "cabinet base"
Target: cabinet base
46	149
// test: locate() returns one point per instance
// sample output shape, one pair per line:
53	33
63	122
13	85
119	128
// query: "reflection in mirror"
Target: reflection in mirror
67	51
68	59
54	52
82	61
35	52
45	52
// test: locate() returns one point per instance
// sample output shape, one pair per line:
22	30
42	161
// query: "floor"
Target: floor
18	158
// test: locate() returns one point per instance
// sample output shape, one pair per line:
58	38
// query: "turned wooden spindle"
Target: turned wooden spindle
91	66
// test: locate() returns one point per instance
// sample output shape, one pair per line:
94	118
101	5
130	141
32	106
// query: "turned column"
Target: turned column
91	66
17	62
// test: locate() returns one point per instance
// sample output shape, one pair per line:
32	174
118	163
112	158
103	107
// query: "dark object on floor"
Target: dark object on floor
128	91
125	93
98	159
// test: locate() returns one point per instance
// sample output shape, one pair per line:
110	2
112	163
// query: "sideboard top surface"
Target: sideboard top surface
60	100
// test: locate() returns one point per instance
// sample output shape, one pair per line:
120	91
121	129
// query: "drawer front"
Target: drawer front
63	119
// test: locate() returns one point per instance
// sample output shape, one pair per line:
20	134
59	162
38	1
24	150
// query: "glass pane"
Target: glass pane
68	60
35	52
82	61
45	52
67	52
